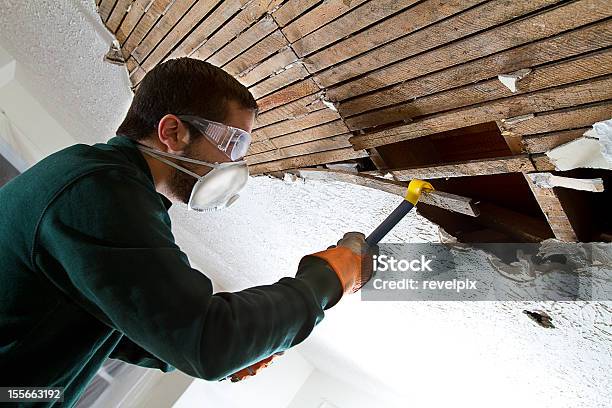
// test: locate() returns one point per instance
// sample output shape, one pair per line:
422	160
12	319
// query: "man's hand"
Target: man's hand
253	369
350	259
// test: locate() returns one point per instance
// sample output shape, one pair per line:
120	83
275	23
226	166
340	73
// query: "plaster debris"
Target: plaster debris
548	180
114	55
541	318
603	132
593	150
352	167
511	80
516	119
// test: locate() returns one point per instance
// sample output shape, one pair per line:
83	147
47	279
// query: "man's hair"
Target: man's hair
183	86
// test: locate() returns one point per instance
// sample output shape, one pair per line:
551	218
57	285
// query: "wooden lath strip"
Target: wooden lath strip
167	21
292	110
205	28
550	75
408	21
308	160
539	26
576	116
291	9
144	25
288	94
563	46
276	63
257	53
321	145
105	8
288	76
251	12
546	141
447	201
137	10
304	122
245	40
550	99
510	164
334	128
119	12
176	34
321	15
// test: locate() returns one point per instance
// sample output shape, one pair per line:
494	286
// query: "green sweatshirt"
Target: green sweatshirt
89	269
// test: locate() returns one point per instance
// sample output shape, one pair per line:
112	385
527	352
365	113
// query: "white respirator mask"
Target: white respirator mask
215	190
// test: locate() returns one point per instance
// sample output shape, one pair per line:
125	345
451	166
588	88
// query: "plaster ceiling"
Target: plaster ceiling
479	353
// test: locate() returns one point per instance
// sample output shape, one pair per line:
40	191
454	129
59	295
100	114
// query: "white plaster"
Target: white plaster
511	80
548	180
584	152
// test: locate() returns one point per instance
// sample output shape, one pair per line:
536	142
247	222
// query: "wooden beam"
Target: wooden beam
137	10
561	119
245	40
105	8
510	164
553	211
334	128
546	141
554	74
549	99
522	227
116	17
291	9
178	32
522	31
321	145
308	160
318	17
447	201
406	22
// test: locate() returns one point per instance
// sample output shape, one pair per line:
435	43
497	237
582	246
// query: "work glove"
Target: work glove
253	368
351	259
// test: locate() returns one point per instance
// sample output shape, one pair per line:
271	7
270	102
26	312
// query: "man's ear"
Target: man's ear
173	133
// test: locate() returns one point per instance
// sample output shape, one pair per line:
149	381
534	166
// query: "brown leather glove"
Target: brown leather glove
351	260
253	369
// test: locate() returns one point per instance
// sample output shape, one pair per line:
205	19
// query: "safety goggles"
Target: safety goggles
232	141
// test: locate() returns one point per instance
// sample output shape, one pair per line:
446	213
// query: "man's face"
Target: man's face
201	148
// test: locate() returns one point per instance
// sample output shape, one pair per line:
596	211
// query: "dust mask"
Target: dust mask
215	190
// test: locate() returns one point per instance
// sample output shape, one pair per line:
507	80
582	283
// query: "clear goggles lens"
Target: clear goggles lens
232	141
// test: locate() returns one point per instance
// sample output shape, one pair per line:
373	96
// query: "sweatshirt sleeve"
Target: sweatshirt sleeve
110	235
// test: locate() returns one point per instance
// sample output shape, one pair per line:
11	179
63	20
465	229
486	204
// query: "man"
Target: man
89	267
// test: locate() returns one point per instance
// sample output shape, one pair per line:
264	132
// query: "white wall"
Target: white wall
273	387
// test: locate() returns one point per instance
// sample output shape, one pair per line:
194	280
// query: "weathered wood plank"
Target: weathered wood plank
557	219
144	25
119	11
291	125
288	94
176	34
291	74
245	40
549	75
536	27
163	26
320	16
450	202
334	128
205	28
257	53
251	12
292	110
137	10
131	64
105	8
522	227
308	160
574	117
408	21
510	164
266	68
541	162
562	46
137	75
546	141
554	98
330	143
291	10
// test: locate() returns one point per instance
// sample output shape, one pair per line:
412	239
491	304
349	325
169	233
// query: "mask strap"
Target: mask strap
154	153
175	156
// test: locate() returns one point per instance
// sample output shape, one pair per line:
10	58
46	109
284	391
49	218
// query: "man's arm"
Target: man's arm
112	238
132	353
